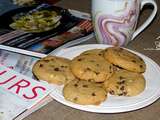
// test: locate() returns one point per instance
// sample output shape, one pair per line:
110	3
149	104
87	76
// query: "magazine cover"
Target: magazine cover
19	93
18	62
23	65
38	30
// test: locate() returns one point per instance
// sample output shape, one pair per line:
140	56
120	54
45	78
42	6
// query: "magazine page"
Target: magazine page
39	30
19	93
22	64
18	62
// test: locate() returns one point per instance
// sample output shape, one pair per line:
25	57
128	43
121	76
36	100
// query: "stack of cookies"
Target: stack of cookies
91	76
127	79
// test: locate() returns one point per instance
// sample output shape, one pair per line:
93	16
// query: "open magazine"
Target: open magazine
19	50
70	27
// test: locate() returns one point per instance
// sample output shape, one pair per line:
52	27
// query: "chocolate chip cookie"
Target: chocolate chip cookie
98	52
84	92
125	83
91	67
53	70
125	59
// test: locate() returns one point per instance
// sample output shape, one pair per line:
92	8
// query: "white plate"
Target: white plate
115	104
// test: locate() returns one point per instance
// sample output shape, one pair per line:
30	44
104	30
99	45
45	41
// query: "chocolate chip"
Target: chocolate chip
140	59
110	67
111	92
120	82
56	69
120	49
134	61
97	73
76	85
90	80
118	67
120	94
75	99
41	65
63	66
122	88
79	59
100	54
93	94
141	66
85	86
123	82
88	69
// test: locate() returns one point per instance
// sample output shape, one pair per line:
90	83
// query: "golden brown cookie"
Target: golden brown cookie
53	70
84	92
98	52
91	67
125	59
125	83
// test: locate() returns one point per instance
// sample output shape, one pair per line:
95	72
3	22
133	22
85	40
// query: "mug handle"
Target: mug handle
149	20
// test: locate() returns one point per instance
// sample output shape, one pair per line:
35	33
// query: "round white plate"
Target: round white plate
115	104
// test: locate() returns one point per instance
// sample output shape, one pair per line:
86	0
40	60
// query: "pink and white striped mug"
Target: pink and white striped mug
115	21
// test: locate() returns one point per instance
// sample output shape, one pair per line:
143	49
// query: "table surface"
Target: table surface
142	44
